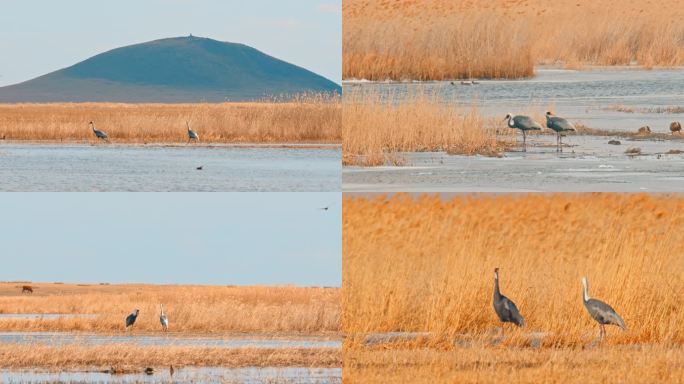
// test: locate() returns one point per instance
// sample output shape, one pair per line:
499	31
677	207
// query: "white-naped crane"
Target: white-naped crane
524	124
601	312
558	125
163	319
192	135
504	307
130	319
98	133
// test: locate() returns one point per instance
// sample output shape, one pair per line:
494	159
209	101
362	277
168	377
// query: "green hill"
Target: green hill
181	69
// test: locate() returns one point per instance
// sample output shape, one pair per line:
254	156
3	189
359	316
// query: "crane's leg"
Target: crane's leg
560	139
524	141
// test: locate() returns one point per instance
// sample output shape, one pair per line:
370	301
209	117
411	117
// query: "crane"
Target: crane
504	307
601	312
130	319
192	135
524	124
98	133
559	125
163	319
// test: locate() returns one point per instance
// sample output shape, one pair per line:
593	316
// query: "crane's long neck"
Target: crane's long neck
497	293
586	289
162	309
511	123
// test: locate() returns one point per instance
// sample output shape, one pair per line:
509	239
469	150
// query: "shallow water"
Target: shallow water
589	165
38	167
579	96
63	338
193	375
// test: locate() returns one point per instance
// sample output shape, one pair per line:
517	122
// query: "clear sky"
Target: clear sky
41	36
203	238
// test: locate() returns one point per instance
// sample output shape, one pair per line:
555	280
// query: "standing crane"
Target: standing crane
192	135
130	319
504	307
98	133
163	319
523	123
559	125
601	312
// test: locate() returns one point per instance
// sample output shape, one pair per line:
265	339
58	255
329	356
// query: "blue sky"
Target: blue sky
40	36
203	238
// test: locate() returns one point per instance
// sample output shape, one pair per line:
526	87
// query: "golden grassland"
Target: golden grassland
309	120
375	129
190	309
425	264
446	39
130	358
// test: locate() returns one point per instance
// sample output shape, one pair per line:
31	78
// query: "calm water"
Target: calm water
250	375
37	167
63	338
590	165
580	96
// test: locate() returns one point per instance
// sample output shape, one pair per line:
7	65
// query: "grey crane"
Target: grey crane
100	134
559	125
504	307
192	135
524	124
601	312
130	319
163	319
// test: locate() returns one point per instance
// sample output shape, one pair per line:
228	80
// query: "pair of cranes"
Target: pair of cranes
601	312
526	123
192	135
130	319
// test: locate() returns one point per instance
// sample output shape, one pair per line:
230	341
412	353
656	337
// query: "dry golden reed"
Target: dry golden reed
375	129
131	358
190	309
312	120
426	264
447	39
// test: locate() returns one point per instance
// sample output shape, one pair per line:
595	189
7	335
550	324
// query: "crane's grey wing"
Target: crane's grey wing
604	313
559	124
514	313
526	122
130	319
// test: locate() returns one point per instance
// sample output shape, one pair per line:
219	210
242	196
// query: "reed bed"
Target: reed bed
376	129
128	358
614	364
307	120
450	39
426	264
190	309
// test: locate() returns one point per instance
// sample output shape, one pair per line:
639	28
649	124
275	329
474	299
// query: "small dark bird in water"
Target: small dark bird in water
149	371
505	308
327	207
200	167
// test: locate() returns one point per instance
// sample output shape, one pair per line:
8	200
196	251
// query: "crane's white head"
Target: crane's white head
496	273
136	311
508	116
549	113
585	283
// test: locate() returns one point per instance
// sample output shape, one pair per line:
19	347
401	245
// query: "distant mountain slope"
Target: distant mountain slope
181	69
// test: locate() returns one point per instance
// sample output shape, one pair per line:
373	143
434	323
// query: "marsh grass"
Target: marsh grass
129	358
312	119
190	309
426	264
504	39
377	129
